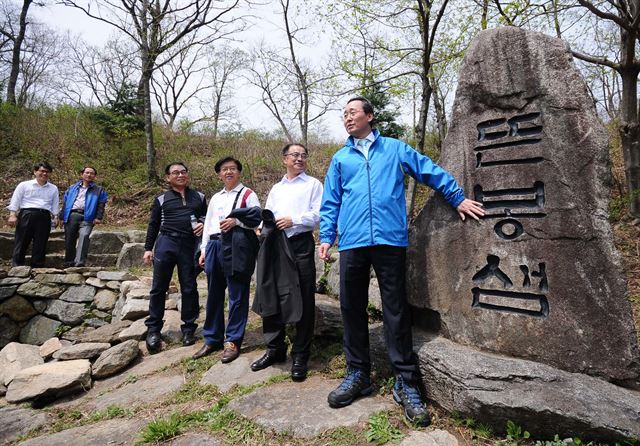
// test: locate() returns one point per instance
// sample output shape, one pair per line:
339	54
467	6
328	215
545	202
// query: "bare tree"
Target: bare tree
156	26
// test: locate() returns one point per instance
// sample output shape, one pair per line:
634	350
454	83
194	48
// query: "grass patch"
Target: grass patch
162	429
380	430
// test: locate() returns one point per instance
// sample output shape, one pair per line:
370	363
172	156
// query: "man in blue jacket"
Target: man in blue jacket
363	203
83	207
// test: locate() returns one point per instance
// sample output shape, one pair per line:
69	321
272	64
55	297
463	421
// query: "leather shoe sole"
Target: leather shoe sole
267	360
206	350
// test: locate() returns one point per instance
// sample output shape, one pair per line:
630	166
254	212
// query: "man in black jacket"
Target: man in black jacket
176	223
295	203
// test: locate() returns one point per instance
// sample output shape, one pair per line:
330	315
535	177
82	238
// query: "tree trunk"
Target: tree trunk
15	56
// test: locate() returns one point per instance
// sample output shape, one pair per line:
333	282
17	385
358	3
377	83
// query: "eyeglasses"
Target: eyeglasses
295	155
350	113
177	173
229	169
43	171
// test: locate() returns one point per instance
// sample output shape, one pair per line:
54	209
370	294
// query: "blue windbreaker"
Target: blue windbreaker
94	202
363	200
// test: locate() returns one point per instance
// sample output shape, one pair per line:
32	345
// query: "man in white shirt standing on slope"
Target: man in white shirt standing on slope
33	204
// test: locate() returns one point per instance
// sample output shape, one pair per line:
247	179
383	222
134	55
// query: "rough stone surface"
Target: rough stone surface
139	393
539	278
7	291
108	333
115	359
13	281
18	308
130	255
65	279
66	312
328	317
15	357
115	275
171	331
40	305
49	347
20	271
225	376
136	236
35	289
17	421
264	406
51	380
543	399
39	329
105	300
85	350
193	439
95	322
437	437
137	331
116	432
139	293
78	334
95	282
83	293
9	331
103	242
113	285
134	309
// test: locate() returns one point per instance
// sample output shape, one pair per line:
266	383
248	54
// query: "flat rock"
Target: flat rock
15	357
136	236
82	293
35	289
77	334
115	432
66	312
139	393
138	293
39	329
105	300
95	282
7	291
95	322
130	255
193	439
104	242
64	279
84	350
49	347
84	270
264	406
20	271
437	437
108	333
545	400
171	330
113	285
17	421
137	331
134	309
13	281
115	275
51	380
115	359
238	372
18	308
538	277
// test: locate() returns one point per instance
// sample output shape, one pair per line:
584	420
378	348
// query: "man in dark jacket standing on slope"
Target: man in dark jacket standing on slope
83	207
364	203
295	203
175	226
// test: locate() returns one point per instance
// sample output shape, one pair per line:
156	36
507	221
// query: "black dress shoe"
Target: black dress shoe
154	342
188	339
268	359
299	368
206	350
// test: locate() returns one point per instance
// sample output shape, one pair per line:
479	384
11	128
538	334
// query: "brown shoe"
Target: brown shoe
206	350
230	352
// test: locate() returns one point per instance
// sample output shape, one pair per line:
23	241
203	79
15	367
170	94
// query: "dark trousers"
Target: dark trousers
303	248
214	328
169	252
76	239
33	225
389	264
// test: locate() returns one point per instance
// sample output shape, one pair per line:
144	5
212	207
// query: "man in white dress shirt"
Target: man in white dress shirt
32	206
295	203
222	266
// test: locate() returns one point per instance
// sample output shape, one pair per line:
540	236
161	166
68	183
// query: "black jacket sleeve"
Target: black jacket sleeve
154	225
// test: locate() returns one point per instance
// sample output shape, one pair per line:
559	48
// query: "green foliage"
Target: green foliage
162	429
558	442
341	436
375	314
385	115
109	413
381	431
515	433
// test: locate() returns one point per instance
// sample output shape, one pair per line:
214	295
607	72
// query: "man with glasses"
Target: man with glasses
32	206
294	204
83	206
364	204
175	226
228	255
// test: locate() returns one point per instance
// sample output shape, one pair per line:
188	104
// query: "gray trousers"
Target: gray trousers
76	232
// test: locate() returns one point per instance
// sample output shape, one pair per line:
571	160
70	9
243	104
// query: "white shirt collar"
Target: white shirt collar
302	175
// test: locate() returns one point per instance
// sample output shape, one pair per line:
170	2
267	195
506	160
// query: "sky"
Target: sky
253	113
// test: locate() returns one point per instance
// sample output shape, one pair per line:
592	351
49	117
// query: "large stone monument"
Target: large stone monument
538	278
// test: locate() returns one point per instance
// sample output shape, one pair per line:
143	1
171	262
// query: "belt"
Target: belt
177	234
215	236
77	211
34	210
